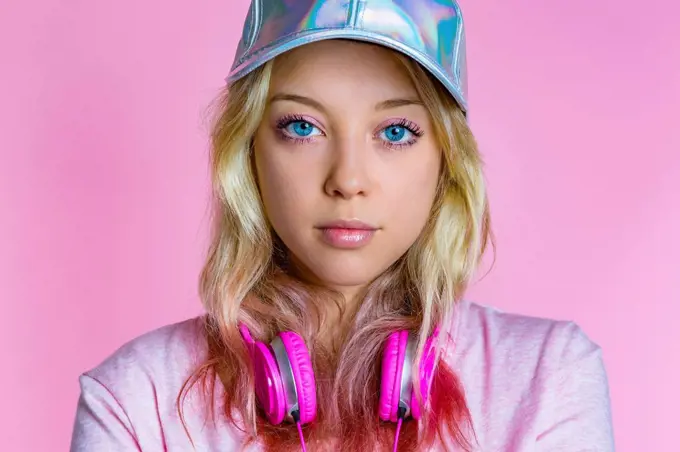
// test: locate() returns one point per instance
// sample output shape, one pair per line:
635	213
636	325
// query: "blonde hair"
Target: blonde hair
245	279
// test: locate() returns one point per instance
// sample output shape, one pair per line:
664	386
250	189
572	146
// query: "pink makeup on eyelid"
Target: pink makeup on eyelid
412	126
285	120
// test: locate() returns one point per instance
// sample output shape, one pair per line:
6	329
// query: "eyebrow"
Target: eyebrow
384	105
394	103
299	99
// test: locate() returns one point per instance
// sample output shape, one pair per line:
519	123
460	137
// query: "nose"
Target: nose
348	174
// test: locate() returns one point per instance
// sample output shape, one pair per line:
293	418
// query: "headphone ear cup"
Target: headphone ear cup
303	374
269	388
390	375
425	375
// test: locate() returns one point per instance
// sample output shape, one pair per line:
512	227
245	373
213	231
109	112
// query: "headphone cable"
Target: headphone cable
296	418
401	414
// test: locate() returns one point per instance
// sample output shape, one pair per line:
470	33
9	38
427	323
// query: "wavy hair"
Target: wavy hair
246	279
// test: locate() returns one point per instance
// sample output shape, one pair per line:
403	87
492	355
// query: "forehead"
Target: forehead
352	68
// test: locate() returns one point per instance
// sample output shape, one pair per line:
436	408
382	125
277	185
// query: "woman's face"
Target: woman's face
346	160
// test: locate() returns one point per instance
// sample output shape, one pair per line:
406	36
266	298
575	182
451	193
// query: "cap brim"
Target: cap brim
261	56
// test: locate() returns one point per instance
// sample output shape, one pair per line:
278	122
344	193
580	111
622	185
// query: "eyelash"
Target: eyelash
406	124
287	120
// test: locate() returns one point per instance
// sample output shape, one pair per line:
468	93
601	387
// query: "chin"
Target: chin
345	279
346	271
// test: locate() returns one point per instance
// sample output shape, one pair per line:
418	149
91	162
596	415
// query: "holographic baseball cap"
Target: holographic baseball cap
429	31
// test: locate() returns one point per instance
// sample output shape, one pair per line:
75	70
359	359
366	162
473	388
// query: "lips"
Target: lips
348	224
347	234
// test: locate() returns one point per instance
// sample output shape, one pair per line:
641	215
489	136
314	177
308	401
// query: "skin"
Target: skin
334	145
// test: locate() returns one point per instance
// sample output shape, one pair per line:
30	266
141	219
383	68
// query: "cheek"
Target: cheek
414	190
282	186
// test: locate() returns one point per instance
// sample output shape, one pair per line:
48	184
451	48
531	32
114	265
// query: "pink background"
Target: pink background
103	186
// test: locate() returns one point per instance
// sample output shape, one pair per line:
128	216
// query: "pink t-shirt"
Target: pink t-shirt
531	385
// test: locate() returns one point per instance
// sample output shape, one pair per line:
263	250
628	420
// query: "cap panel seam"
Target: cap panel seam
353	13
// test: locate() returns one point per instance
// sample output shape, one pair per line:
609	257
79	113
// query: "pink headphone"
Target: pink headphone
286	390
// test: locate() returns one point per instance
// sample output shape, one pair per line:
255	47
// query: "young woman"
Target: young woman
350	217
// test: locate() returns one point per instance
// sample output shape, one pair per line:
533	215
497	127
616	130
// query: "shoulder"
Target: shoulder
162	360
531	379
136	398
522	339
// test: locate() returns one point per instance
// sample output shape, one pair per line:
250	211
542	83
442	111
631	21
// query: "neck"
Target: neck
351	295
338	316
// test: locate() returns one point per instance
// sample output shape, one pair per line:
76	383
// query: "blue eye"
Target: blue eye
396	134
399	134
300	128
